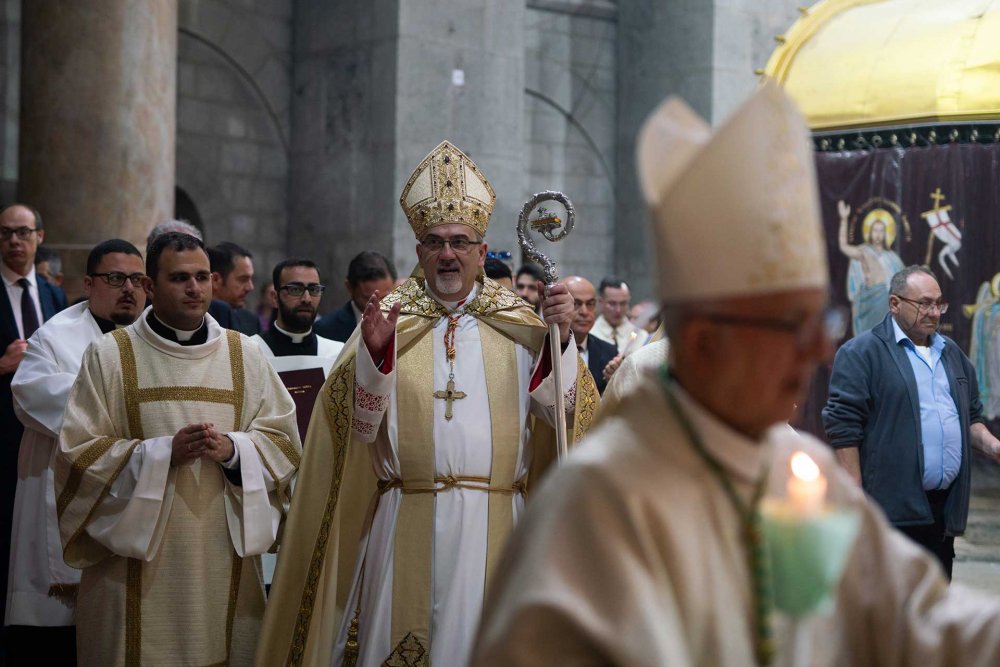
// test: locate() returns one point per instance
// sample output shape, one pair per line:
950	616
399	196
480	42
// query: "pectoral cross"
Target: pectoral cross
449	395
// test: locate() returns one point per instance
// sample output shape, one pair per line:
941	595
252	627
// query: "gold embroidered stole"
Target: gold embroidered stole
413	560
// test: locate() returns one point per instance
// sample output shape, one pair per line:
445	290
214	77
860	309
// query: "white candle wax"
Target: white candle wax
806	486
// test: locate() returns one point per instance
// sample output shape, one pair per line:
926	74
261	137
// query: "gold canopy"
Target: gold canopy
868	63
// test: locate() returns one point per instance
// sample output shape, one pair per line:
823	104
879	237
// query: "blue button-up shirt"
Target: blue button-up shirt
940	426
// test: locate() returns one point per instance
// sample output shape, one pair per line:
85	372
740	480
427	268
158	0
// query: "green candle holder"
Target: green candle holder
808	554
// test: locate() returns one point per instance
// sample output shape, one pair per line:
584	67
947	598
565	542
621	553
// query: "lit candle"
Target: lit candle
628	346
806	486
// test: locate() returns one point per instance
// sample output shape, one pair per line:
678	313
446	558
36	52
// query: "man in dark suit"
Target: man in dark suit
232	281
595	352
26	301
368	271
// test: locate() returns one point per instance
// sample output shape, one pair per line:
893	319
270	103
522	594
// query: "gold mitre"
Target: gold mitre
447	187
735	212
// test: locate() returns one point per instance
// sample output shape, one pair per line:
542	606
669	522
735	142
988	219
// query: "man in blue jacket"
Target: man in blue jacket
903	412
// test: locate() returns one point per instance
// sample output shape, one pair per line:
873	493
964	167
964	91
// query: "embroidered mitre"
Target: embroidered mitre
447	187
735	212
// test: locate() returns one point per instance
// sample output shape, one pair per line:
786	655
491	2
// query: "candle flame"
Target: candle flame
804	467
632	336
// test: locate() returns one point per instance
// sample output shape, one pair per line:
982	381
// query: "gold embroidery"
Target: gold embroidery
65	592
414	299
234	594
586	402
185	393
130	382
493	297
339	403
95	451
133	612
285	445
410	652
239	377
104	492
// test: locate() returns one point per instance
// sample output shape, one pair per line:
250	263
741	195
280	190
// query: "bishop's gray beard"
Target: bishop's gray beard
449	284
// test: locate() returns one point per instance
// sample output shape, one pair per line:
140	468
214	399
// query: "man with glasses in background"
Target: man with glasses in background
42	597
26	301
903	412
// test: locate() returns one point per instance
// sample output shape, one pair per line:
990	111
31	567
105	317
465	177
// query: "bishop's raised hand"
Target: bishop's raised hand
377	329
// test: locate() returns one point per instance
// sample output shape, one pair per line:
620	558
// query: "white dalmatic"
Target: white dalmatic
40	582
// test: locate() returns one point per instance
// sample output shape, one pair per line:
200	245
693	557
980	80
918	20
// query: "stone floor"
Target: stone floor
977	554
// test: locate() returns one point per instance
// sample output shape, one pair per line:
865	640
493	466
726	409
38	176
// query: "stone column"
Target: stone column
98	107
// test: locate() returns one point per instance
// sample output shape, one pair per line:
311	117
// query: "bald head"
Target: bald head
585	302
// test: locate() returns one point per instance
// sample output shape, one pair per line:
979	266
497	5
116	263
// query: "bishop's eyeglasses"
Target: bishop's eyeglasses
117	278
298	289
459	244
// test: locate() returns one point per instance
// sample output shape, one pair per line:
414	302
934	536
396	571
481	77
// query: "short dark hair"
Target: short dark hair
611	281
496	269
222	257
34	212
369	265
176	241
897	285
289	263
46	254
532	270
106	248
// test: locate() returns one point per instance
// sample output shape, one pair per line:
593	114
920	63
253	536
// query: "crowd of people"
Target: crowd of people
191	482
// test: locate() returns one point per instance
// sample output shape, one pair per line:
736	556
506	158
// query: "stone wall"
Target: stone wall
10	96
570	137
234	122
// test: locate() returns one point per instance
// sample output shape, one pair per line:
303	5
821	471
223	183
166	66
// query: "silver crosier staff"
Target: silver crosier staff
549	225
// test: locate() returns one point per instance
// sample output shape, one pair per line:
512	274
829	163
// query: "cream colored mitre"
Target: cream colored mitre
735	212
447	187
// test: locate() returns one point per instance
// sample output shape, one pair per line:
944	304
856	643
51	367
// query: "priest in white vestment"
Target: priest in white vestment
419	454
41	591
174	460
643	548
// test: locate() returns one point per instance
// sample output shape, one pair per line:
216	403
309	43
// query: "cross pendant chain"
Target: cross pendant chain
449	396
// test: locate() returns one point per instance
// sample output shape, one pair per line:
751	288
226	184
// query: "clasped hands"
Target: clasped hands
195	441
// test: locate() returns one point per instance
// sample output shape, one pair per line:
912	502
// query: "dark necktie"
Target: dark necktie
29	317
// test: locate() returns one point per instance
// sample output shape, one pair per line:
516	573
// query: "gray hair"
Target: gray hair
182	226
899	281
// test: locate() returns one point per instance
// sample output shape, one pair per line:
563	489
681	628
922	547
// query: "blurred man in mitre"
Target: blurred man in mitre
646	546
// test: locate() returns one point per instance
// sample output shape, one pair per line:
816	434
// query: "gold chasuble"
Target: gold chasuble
355	580
171	572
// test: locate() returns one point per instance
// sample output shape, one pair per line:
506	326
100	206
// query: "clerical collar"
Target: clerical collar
106	326
296	338
196	337
452	305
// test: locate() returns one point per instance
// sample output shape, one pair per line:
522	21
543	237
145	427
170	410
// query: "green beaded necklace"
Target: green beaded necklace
753	529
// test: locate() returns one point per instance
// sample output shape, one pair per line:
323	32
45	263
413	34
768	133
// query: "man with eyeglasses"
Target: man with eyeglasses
646	546
904	412
42	598
26	301
177	449
431	427
297	295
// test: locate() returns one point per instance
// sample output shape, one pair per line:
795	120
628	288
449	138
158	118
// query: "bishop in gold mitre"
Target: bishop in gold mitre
427	435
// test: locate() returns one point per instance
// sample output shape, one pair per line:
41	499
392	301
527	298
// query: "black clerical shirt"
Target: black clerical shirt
282	345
